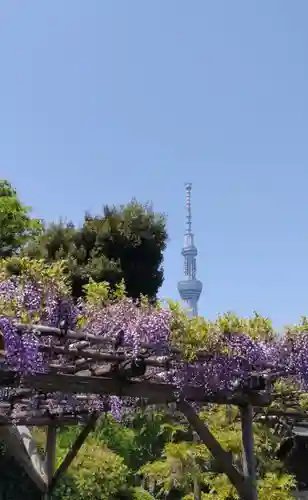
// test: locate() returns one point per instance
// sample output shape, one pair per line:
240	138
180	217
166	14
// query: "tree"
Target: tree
124	243
184	462
16	226
96	474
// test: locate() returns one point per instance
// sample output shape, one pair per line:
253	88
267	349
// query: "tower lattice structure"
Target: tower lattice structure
190	287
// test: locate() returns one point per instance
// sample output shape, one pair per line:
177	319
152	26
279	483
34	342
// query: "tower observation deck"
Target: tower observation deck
189	288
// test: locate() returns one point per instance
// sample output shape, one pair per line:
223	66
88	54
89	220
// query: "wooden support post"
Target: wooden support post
50	455
249	465
197	489
222	458
72	452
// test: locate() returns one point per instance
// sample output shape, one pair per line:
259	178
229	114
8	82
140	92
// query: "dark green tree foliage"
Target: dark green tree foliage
16	226
124	242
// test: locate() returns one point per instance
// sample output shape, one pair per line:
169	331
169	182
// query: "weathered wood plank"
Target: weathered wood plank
26	418
155	392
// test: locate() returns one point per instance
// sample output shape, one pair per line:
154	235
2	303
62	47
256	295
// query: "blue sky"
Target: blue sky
101	101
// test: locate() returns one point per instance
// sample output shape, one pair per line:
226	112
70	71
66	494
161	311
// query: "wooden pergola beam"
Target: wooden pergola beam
290	414
29	420
249	463
50	456
94	355
50	452
223	459
154	392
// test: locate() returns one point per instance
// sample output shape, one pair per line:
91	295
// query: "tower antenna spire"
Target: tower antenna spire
189	288
188	187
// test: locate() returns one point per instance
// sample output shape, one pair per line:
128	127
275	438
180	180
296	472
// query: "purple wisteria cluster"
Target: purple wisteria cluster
142	325
238	357
144	329
32	303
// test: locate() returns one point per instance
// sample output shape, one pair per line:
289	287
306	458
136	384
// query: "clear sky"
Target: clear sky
103	100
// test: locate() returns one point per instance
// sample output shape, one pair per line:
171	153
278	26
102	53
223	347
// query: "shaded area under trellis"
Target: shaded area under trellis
15	484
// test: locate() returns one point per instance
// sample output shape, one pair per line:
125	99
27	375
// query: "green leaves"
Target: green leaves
183	463
101	293
220	488
96	473
16	226
124	243
178	469
141	494
47	277
276	487
197	334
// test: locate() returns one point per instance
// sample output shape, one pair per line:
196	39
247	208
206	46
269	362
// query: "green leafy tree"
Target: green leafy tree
97	473
139	440
124	243
183	463
16	225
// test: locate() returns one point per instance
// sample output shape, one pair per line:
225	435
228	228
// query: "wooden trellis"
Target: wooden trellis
86	365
